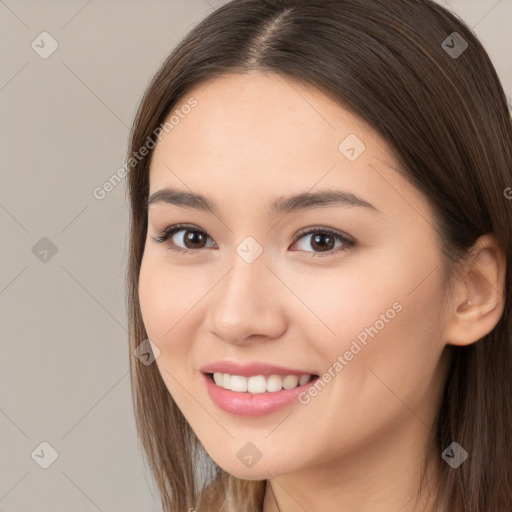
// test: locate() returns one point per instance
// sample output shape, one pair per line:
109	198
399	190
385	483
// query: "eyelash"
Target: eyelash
172	230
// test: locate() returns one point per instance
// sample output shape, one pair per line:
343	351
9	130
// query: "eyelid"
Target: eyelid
322	229
347	240
171	230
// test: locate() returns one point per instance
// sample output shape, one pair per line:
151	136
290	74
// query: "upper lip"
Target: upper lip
251	369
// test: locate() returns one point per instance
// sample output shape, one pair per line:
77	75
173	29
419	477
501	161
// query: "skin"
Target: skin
358	444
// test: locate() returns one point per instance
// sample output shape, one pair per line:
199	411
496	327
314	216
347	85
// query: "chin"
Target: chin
267	466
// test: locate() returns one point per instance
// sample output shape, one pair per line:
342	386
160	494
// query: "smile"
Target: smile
259	383
258	395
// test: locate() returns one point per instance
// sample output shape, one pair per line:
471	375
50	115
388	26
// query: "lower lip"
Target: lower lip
253	404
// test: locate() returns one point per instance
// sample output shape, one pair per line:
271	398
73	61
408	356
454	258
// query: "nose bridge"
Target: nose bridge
248	267
244	305
245	284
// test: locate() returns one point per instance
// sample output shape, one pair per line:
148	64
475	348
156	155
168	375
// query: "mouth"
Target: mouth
257	384
256	395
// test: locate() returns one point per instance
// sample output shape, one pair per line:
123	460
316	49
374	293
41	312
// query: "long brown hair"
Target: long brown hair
445	117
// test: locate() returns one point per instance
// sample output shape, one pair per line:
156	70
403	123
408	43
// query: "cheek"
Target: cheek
172	300
165	295
158	303
151	299
387	330
394	369
163	303
352	305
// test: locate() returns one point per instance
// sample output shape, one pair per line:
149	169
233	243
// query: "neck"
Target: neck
376	478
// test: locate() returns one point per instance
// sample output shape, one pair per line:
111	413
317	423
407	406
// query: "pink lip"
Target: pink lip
253	404
251	369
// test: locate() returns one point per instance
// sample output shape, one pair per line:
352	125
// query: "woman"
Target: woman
320	238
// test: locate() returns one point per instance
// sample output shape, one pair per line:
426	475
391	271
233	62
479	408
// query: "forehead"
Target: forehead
258	121
258	134
269	107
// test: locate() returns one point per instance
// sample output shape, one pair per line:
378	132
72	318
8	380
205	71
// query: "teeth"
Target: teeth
237	383
274	383
290	381
304	379
259	383
256	384
226	382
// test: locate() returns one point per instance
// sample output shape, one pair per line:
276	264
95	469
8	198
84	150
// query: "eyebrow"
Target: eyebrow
281	206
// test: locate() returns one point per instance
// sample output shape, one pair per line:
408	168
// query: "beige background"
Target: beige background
64	125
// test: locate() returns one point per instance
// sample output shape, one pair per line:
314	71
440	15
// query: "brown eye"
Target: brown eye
323	241
192	239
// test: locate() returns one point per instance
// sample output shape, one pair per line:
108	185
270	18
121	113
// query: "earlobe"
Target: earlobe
479	302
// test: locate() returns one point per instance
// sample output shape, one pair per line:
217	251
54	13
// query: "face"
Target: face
346	291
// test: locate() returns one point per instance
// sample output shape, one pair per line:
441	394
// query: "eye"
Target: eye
323	239
194	236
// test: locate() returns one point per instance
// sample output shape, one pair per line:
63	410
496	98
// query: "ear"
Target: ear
479	298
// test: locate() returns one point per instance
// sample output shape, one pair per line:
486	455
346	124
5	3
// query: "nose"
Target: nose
248	304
